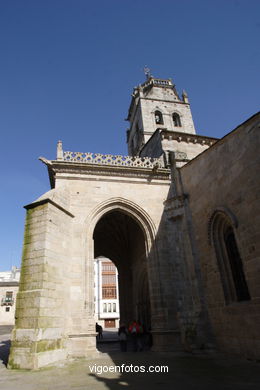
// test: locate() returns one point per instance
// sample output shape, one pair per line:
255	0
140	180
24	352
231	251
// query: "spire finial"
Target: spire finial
59	151
147	72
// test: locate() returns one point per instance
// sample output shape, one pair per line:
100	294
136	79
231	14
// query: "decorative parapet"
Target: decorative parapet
108	159
160	82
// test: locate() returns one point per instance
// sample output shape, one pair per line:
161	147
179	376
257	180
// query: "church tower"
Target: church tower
156	105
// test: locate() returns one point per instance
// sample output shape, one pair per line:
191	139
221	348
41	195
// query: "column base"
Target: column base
35	348
82	345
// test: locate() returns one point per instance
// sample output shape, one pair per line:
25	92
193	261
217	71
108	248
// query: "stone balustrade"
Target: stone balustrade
109	159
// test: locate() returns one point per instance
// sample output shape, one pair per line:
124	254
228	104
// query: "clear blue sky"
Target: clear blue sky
67	69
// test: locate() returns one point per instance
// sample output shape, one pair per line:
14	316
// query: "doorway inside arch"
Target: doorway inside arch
119	237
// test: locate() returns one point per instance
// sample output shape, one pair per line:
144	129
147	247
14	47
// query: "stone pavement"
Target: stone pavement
186	372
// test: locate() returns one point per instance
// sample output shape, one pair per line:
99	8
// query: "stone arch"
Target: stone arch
136	262
177	119
128	207
227	214
158	116
230	264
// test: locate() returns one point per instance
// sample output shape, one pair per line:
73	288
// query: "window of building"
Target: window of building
114	307
7	308
9	296
104	307
108	280
109	292
176	120
108	266
158	118
229	261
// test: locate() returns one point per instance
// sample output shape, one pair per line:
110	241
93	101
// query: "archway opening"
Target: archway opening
118	237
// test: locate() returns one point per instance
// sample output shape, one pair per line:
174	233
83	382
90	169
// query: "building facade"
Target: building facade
179	218
106	295
9	285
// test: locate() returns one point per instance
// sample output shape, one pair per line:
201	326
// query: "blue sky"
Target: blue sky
68	67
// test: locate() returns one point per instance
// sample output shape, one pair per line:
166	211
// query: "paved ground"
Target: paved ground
186	372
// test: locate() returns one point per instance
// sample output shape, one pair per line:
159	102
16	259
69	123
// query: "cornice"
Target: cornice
45	201
164	100
186	137
73	168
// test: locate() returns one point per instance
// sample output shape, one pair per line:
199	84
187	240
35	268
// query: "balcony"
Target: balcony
7	301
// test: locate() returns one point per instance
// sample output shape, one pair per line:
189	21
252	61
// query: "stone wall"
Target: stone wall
226	177
42	301
188	146
55	303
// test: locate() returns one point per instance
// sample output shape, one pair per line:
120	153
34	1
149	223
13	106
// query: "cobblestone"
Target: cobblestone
186	371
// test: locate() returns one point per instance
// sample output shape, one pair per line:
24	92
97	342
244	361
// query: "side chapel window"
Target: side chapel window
176	119
229	260
158	118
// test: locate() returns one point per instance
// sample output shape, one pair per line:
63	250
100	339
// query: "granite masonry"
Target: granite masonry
179	217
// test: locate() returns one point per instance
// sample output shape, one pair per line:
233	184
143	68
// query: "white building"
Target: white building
9	284
106	293
105	287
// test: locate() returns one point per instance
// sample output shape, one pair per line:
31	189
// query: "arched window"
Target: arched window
228	257
158	118
176	119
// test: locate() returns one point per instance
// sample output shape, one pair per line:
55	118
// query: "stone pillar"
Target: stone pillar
192	310
164	323
81	340
39	335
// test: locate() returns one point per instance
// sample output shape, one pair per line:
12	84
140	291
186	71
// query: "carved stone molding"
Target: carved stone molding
186	137
174	207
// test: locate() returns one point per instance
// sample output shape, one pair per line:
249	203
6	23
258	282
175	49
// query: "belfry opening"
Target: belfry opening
119	237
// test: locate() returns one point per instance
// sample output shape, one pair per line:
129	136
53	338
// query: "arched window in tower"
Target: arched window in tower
176	119
228	257
158	117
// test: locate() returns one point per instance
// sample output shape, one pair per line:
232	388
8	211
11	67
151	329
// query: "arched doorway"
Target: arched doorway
118	236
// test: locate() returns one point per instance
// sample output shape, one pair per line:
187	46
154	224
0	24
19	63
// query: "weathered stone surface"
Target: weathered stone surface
153	220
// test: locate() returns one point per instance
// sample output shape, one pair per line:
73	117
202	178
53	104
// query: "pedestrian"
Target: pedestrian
99	331
122	334
140	337
133	330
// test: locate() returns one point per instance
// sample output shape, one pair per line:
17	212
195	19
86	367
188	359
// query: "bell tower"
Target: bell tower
156	105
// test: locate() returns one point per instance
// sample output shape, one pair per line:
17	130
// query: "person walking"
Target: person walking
122	334
99	331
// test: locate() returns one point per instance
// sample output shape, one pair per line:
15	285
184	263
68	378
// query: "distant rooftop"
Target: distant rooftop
10	276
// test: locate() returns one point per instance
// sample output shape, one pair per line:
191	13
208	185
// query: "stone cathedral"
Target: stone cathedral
179	217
